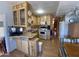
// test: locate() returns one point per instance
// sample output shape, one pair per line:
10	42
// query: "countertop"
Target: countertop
27	35
31	35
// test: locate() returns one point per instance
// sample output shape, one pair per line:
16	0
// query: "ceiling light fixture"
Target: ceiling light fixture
40	11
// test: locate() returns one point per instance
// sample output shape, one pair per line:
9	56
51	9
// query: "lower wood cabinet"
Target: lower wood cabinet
12	43
33	51
22	45
18	44
29	47
25	46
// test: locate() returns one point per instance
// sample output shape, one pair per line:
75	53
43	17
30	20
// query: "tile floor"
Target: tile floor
50	49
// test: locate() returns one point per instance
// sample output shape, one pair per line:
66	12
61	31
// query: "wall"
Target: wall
64	29
1	25
66	7
5	8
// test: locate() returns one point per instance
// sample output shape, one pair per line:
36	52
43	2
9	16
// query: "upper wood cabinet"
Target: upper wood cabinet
38	20
44	20
15	14
48	19
34	20
20	14
15	17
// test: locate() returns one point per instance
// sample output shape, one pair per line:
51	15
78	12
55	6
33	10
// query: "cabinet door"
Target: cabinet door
18	44
15	14
33	48
12	43
22	16
38	19
25	46
48	20
34	20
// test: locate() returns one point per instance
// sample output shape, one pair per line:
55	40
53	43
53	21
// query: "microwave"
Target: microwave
15	31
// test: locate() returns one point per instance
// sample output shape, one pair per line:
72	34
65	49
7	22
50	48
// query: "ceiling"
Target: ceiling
49	7
66	6
53	7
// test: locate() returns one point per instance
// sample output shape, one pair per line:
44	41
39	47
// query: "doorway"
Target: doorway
55	27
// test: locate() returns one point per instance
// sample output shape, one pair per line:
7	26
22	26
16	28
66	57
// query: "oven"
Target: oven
43	32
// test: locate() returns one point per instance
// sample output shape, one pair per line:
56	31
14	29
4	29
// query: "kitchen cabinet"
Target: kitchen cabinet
22	44
12	44
34	20
45	20
48	19
15	15
18	44
25	46
20	14
33	47
38	20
